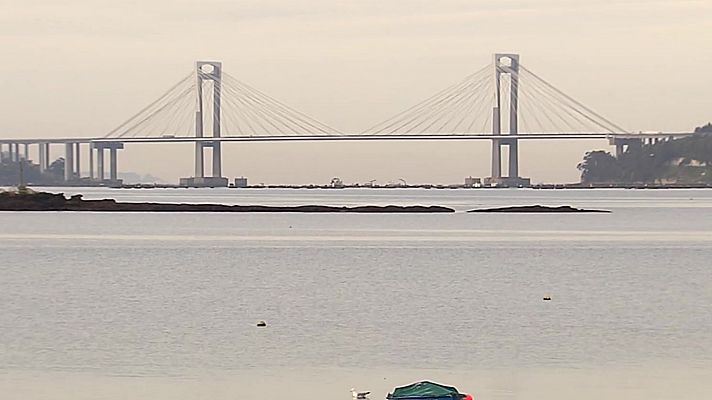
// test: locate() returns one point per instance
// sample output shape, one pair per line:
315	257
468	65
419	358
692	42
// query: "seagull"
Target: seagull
359	395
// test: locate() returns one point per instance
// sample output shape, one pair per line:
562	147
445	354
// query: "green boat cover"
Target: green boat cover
425	390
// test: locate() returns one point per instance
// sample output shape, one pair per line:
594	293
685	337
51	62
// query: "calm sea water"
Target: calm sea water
164	306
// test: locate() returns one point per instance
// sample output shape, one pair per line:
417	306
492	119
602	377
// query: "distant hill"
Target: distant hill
12	172
133	178
687	160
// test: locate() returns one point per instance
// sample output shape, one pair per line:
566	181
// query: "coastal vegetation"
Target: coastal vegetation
14	173
680	161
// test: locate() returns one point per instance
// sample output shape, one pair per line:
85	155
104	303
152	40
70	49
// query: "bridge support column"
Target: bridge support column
113	147
68	162
100	163
217	146
41	156
199	160
207	71
91	161
496	159
217	160
113	165
77	161
620	149
514	158
48	159
43	150
506	64
27	151
625	144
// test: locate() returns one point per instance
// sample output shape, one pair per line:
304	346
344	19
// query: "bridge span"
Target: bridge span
209	107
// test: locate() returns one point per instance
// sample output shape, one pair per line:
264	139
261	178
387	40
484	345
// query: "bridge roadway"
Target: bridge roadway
99	145
354	137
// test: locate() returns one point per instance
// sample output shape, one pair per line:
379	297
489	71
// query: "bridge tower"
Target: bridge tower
208	72
506	64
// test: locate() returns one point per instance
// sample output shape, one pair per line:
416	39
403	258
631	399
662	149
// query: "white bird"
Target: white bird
359	395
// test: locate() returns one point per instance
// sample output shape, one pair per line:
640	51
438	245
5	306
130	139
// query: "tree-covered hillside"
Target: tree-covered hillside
687	160
10	173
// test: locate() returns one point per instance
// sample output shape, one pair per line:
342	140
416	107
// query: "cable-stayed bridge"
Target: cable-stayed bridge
503	102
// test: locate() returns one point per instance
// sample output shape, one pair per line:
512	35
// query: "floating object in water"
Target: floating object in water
261	324
426	390
547	298
359	395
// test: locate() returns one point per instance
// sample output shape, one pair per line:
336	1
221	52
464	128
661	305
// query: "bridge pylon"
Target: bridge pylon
506	64
208	117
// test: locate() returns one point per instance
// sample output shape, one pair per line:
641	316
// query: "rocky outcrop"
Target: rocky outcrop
536	209
41	201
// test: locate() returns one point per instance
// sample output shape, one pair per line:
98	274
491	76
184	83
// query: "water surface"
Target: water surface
164	306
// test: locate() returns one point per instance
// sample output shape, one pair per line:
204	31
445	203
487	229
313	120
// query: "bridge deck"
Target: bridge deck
353	137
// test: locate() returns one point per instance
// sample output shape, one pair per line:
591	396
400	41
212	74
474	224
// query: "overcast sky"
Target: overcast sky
81	67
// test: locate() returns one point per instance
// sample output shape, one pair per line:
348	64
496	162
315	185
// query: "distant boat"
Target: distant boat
427	390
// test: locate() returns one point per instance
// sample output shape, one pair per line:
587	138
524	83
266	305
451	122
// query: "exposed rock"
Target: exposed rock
42	201
536	209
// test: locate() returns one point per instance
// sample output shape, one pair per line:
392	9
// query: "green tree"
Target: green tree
56	169
599	167
704	128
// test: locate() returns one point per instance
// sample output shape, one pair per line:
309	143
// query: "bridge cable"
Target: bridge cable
160	98
571	99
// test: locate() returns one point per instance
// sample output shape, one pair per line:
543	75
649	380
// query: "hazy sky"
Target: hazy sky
79	68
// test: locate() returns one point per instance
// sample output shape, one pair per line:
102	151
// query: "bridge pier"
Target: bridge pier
100	164
41	156
210	71
623	144
113	148
496	159
113	173
77	161
199	160
68	162
44	157
506	64
91	161
620	149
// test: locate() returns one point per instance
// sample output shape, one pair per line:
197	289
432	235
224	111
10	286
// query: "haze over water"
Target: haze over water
164	306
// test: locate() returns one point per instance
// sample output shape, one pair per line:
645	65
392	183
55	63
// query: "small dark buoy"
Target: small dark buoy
262	324
547	298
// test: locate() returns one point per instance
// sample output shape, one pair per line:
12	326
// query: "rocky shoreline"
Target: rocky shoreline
536	209
42	201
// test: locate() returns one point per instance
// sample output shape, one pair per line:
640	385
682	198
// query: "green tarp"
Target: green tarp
425	390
